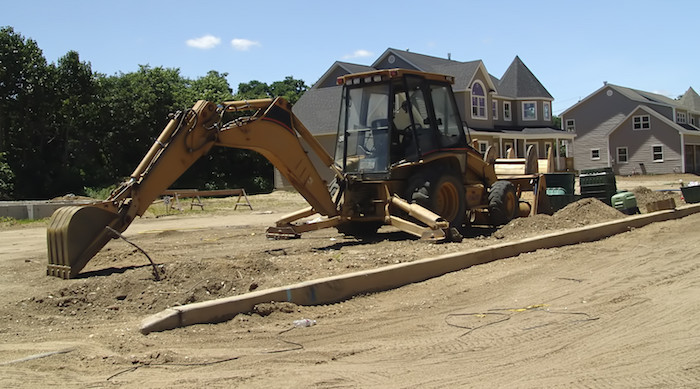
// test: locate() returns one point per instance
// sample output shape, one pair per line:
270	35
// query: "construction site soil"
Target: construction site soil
620	312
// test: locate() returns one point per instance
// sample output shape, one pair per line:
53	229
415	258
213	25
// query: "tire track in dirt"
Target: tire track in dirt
564	340
636	303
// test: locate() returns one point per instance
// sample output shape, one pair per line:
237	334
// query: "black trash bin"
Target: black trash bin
598	183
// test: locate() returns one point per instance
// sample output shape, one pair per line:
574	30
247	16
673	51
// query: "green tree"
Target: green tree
64	127
226	168
134	108
6	179
26	103
291	89
253	90
221	168
212	87
76	151
556	121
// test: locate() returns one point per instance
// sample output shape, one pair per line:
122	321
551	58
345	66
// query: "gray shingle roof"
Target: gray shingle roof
646	97
355	68
688	127
463	72
526	131
318	110
420	61
519	82
339	69
689	101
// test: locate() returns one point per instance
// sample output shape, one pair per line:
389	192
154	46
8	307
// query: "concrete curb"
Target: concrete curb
33	210
338	288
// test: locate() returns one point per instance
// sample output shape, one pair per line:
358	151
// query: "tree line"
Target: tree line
66	129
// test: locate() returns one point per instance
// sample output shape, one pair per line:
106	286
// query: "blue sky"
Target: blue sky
571	46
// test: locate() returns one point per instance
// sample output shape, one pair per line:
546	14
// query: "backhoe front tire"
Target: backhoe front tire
503	203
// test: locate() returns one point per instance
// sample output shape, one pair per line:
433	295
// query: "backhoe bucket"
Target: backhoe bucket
75	234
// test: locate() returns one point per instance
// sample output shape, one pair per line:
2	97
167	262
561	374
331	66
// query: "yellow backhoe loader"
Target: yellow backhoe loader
402	159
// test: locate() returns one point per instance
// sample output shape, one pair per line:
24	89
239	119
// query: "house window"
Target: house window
595	154
641	122
506	111
680	117
570	125
494	109
622	155
478	101
546	110
657	153
529	110
483	145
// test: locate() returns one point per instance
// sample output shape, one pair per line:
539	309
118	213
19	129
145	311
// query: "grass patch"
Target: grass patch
10	222
99	193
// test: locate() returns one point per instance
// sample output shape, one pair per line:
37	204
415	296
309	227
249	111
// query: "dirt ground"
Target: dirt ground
620	312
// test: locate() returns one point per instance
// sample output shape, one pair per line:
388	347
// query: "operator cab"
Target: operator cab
389	117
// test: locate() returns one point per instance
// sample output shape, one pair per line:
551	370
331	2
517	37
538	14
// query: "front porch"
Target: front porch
543	140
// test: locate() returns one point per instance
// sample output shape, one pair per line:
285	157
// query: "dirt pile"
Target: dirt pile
580	213
646	196
587	211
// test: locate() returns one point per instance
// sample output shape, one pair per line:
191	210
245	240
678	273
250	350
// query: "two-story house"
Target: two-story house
514	111
635	132
518	114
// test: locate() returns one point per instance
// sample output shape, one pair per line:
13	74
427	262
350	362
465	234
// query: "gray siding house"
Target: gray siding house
514	111
635	132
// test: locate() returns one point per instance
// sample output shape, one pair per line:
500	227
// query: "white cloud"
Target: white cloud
243	44
358	54
204	42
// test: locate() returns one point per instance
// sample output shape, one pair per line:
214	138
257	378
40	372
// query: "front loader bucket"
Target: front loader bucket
75	234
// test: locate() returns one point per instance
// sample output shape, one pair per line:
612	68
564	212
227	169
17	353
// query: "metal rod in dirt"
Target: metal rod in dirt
116	233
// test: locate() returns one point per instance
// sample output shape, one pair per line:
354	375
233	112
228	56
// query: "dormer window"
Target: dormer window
680	117
478	101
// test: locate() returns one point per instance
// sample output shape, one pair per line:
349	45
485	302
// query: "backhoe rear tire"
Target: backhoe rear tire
441	192
503	203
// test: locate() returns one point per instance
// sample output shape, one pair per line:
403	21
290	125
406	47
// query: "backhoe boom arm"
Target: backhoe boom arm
76	234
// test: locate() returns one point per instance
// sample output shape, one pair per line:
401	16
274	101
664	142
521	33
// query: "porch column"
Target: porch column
682	154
